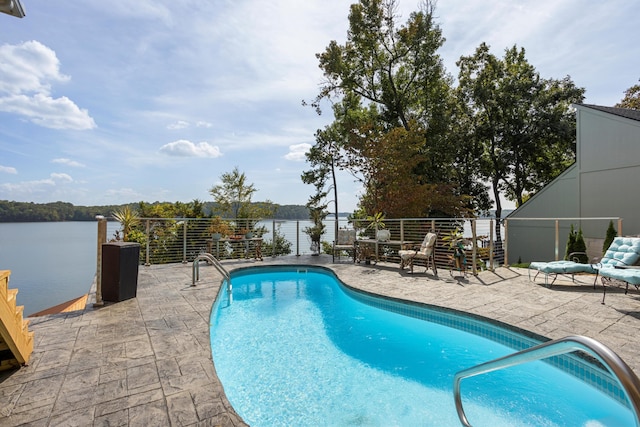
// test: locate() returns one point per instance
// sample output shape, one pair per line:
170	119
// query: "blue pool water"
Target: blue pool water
300	349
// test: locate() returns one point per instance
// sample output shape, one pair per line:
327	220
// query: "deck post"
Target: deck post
102	238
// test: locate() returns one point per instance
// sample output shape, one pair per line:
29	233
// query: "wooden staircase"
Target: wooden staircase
16	342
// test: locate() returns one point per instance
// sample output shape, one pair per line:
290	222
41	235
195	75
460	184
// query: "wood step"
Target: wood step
9	364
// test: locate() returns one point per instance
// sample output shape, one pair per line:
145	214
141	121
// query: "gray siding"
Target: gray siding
602	183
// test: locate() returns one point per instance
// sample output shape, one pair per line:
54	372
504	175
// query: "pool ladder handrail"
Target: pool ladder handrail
623	373
204	256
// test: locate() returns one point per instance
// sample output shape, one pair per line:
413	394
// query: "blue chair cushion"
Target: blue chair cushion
622	251
562	267
629	275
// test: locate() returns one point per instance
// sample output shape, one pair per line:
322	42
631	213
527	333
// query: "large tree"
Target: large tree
525	123
233	197
390	97
631	98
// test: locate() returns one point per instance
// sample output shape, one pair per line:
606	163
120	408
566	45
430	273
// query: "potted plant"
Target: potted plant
377	223
315	232
128	219
246	232
457	243
219	228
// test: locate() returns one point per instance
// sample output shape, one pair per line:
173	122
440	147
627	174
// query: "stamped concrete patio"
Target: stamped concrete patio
147	361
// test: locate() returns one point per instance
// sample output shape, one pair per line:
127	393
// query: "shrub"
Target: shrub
611	234
575	243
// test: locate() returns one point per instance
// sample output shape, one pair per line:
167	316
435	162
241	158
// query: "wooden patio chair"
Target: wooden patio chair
426	252
345	242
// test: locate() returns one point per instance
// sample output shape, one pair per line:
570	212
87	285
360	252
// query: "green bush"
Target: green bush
611	234
575	243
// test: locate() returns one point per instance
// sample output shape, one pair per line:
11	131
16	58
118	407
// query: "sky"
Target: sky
113	102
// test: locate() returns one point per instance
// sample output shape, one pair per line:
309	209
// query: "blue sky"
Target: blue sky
121	101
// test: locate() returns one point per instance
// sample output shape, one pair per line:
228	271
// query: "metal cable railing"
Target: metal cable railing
620	370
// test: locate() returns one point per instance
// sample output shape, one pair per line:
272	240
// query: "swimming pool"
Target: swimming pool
295	347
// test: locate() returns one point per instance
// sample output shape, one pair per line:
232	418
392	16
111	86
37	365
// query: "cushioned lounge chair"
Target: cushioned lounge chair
616	267
425	252
345	243
570	266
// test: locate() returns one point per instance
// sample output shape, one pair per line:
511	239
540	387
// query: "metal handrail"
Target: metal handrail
620	370
195	270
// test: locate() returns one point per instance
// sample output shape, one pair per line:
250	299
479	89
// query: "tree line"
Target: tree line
11	211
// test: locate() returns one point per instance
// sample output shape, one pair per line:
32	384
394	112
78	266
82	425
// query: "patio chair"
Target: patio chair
570	266
345	242
425	252
619	264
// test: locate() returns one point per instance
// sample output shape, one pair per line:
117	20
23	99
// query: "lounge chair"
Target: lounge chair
425	252
346	241
617	265
570	266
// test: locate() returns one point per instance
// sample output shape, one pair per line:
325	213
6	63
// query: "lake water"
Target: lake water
50	262
54	262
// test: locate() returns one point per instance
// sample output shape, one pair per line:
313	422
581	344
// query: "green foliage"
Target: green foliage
524	122
327	247
315	232
376	221
390	95
571	242
220	226
580	246
575	243
233	197
279	245
631	98
60	211
45	212
611	234
128	219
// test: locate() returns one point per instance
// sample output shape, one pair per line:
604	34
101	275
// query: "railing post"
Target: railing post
620	227
474	246
505	245
102	238
557	239
298	238
184	241
402	230
147	263
491	244
273	238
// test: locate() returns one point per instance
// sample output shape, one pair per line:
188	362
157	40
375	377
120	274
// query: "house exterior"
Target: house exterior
602	183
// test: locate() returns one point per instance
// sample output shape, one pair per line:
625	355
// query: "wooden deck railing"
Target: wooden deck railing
16	342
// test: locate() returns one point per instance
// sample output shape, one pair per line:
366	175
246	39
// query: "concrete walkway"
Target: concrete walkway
147	361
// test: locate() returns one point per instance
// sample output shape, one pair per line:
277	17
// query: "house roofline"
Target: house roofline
627	113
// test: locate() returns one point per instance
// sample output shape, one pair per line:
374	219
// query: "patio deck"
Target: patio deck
147	361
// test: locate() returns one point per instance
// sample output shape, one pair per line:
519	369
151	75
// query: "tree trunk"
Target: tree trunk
499	252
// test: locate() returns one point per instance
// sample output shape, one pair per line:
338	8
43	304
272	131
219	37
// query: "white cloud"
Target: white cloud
180	124
68	162
8	169
203	124
297	152
29	188
27	71
184	148
29	67
61	177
